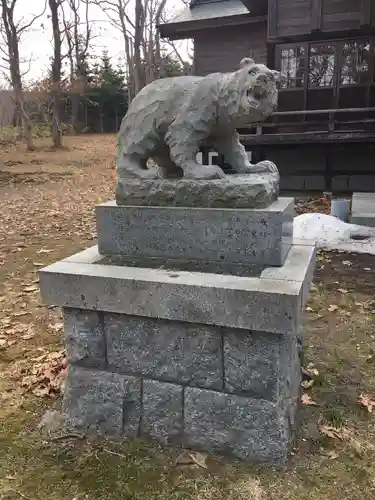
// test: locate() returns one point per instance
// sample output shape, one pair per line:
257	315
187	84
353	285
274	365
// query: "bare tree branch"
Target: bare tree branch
11	31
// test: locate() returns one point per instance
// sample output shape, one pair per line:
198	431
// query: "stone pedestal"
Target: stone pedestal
182	325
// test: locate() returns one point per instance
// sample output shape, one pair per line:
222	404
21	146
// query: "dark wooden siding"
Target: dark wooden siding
222	50
293	18
341	15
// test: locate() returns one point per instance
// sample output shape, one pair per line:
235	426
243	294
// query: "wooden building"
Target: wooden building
322	136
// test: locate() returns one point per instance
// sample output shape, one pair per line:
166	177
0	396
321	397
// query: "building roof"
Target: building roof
212	10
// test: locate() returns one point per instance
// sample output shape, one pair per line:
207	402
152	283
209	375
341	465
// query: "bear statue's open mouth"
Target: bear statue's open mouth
257	91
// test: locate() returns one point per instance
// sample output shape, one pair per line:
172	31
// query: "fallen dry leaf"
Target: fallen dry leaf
57	327
48	374
306	384
28	336
346	263
18	314
342	290
341	433
366	402
307	400
31	288
332	308
312	370
188	457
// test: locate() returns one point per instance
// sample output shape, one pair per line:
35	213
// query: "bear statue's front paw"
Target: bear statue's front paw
207	172
264	166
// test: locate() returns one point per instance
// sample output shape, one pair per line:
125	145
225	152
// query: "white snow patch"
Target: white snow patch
333	234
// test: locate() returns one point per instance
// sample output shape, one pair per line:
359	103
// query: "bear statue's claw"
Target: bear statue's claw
196	171
264	166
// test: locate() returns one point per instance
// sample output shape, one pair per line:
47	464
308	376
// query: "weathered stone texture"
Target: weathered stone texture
84	339
166	350
251	364
260	365
262	236
222	300
233	191
162	412
249	429
102	401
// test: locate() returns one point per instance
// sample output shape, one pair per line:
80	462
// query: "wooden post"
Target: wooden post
272	18
365	13
316	15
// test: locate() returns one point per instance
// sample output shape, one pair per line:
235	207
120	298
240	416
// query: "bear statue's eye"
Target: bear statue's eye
252	71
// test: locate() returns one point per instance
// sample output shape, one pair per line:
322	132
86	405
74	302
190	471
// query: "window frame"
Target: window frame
337	73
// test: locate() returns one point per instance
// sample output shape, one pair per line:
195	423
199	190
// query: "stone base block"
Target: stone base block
251	429
233	236
190	359
234	191
363	209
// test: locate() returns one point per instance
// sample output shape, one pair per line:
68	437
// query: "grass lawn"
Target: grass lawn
47	201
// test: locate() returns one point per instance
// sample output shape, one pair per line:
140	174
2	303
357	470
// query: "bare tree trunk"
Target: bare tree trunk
12	33
158	58
56	73
139	22
78	45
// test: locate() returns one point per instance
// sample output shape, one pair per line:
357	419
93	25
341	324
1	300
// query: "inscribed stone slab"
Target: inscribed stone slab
262	236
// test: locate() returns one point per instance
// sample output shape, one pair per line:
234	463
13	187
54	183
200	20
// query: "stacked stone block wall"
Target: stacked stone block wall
207	387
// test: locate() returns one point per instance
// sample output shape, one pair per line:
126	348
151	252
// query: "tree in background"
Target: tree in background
54	6
11	31
79	35
137	22
108	94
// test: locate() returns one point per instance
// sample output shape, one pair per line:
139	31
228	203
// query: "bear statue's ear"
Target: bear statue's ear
276	75
247	61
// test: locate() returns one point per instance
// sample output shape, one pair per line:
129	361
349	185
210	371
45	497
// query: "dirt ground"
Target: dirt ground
47	201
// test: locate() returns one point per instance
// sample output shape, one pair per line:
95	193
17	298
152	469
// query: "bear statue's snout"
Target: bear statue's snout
262	79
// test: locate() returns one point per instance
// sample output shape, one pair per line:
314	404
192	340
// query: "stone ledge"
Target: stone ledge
261	304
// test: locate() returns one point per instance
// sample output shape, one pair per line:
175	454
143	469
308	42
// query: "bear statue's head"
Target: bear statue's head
252	92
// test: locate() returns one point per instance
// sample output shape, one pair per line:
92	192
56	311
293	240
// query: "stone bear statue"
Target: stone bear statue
171	118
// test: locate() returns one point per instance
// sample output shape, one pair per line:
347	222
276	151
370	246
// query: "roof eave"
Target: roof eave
183	30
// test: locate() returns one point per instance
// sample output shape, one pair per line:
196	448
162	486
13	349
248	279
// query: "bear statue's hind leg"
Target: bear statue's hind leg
134	166
167	168
183	154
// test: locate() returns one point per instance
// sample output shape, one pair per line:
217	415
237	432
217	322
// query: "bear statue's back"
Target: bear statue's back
157	104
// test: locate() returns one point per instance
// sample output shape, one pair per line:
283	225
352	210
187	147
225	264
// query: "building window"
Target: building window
292	67
330	64
322	65
355	63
